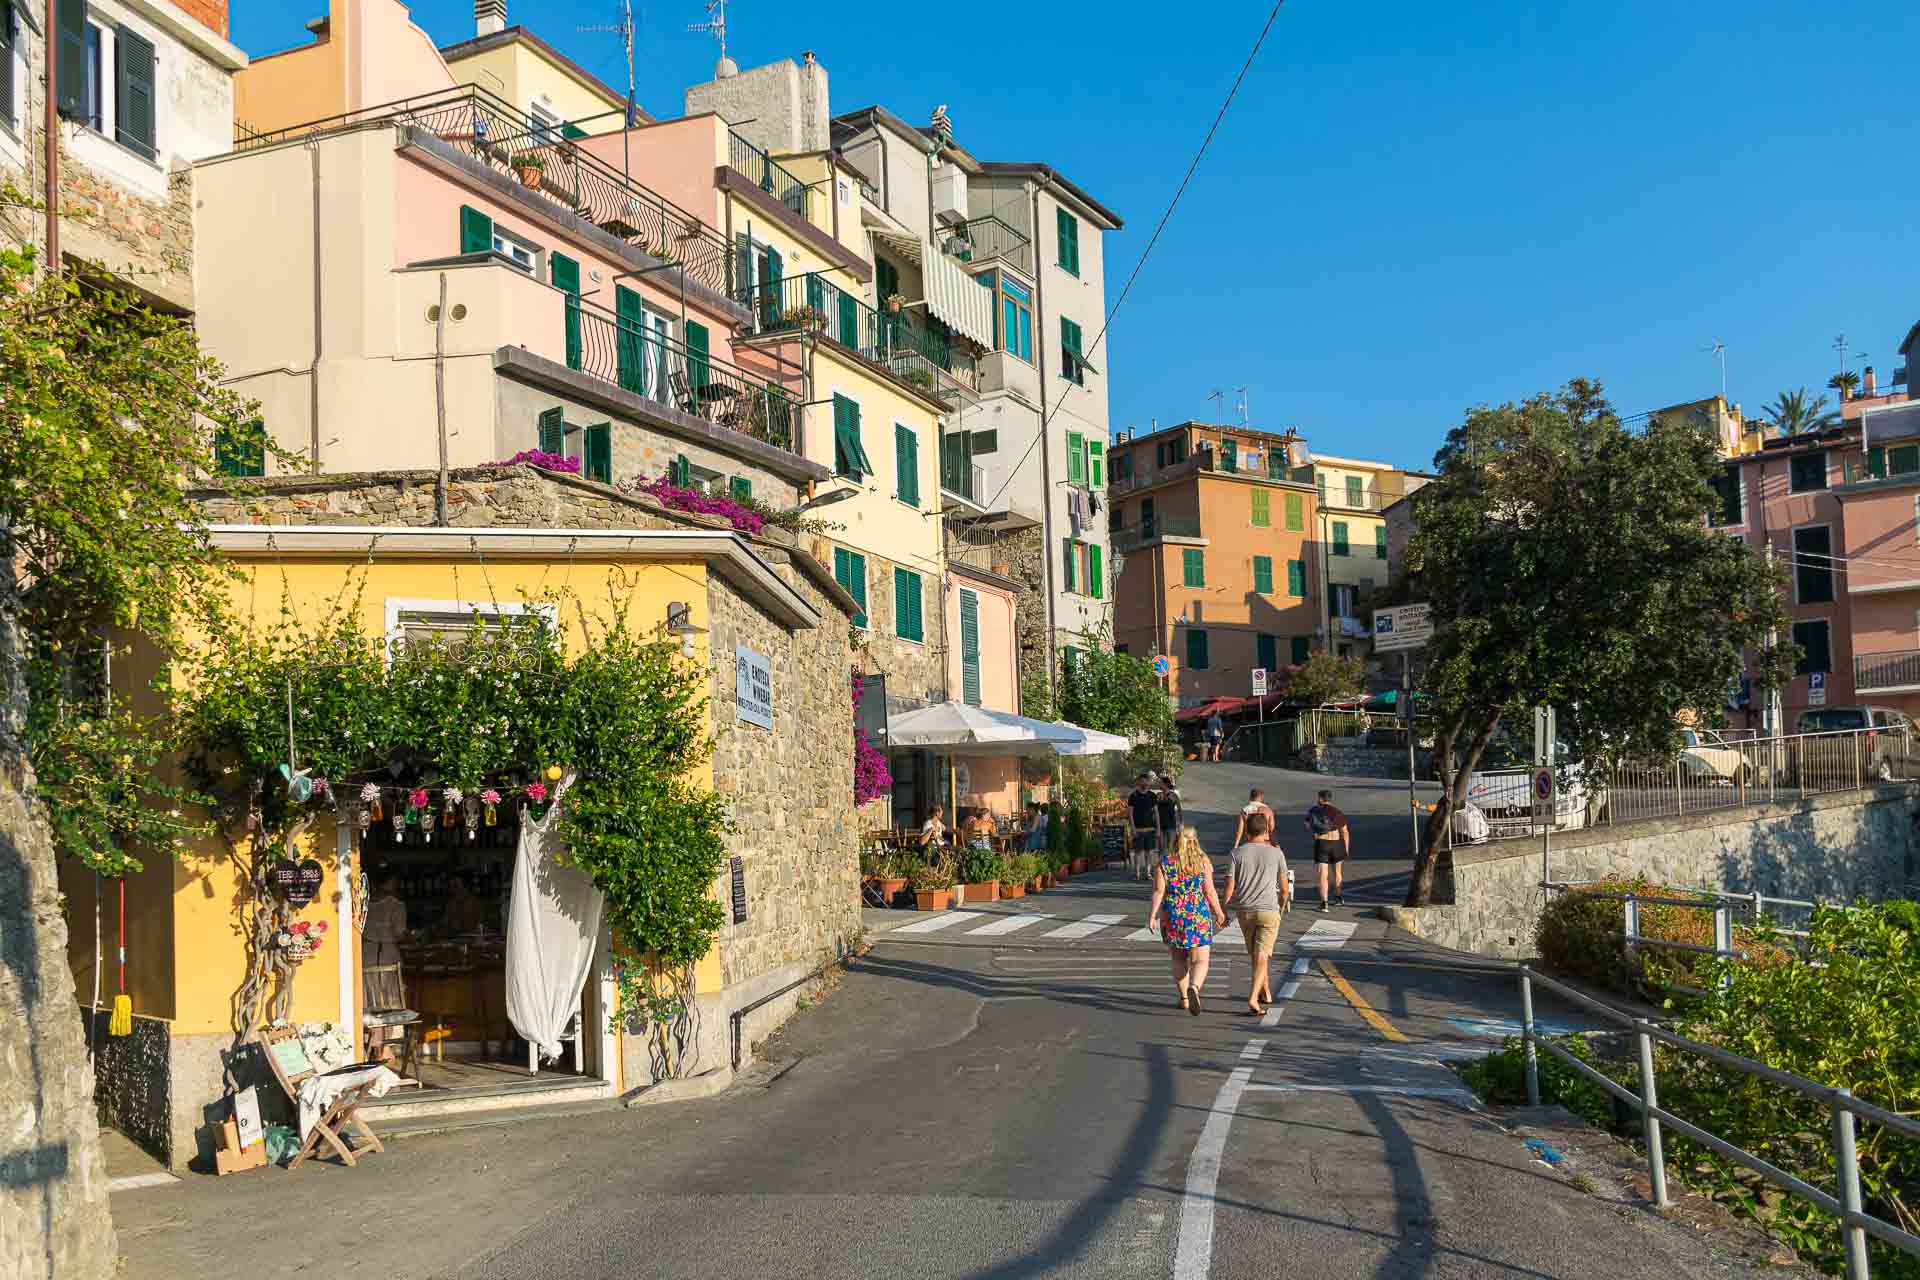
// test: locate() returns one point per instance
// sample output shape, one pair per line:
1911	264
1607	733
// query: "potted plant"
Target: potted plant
1013	876
529	166
894	303
932	886
921	378
979	876
892	875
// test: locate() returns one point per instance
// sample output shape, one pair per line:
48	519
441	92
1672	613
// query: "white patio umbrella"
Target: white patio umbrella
1090	742
955	728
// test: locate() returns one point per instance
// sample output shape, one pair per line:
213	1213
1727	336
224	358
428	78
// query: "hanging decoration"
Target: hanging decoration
471	812
491	799
297	882
370	798
537	800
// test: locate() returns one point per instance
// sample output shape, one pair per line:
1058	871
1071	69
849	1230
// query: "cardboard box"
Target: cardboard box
232	1157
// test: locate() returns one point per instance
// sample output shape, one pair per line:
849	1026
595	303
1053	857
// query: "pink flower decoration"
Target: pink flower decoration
537	792
300	926
545	461
418	798
319	926
745	519
489	796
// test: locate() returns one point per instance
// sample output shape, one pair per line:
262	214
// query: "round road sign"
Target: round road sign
1543	784
1160	664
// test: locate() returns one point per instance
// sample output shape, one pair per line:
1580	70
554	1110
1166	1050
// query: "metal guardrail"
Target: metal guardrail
1126	537
761	169
813	303
987	238
1891	670
500	136
1844	1202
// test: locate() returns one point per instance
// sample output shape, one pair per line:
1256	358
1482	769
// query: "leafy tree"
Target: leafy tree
1111	692
1846	382
1793	413
1568	562
1324	677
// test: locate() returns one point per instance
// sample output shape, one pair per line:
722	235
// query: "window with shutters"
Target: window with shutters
553	431
1813	564
564	272
1816	646
1807	472
1196	649
1727	485
1096	571
970	647
1262	515
10	48
1193	567
1176	450
1301	649
242	451
850	571
1266	652
1297	578
1356	492
849	456
1296	513
596	455
1096	465
1903	459
1068	228
906	464
1069	563
1379	542
1276	463
1341	546
1076	458
740	489
1263	575
91	89
907	602
1073	365
1147	525
133	87
1229	455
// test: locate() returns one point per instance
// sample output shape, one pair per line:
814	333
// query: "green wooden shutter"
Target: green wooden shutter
1263	575
1229	455
1067	558
740	489
1069	236
1193	567
1096	578
565	274
1262	513
699	366
237	451
597	453
970	647
1903	460
570	130
630	348
850	571
906	464
1341	546
1072	366
476	231
1196	649
1297	578
71	17
1302	649
680	472
553	430
743	269
1268	655
1296	513
909	619
1076	458
1380	542
8	42
886	280
1276	463
133	83
849	320
849	456
1096	465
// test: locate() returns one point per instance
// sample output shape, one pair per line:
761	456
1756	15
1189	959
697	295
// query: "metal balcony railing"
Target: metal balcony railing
1339	497
1899	668
984	239
1126	537
761	169
650	364
499	135
897	342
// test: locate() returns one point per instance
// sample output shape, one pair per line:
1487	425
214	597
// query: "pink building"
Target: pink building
1880	506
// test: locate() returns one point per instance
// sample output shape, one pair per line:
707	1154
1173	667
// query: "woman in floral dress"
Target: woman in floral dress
1188	912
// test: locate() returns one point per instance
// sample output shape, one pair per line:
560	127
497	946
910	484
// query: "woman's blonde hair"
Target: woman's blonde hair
1188	858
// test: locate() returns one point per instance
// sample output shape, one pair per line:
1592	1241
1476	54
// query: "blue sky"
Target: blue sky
1412	208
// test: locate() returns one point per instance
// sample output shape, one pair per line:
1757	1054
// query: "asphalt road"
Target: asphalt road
1023	1103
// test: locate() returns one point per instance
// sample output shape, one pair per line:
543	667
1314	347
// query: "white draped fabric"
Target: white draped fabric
552	926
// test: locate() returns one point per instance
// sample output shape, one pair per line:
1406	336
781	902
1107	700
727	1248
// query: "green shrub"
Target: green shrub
1057	836
978	866
1583	937
1501	1078
1076	833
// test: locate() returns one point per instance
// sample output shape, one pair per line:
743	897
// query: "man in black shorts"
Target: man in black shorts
1143	813
1328	827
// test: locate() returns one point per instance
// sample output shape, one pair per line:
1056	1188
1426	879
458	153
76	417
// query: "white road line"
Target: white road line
1084	928
1253	1050
1272	1018
944	921
1299	966
1462	1096
1007	924
1144	933
1288	988
134	1181
1193	1255
1326	935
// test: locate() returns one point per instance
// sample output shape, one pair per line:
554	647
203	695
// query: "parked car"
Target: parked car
1502	789
1707	757
1882	747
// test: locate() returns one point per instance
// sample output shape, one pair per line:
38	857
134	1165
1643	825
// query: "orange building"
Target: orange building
1216	555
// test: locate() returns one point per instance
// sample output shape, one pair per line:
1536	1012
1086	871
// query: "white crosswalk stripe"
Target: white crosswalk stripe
1009	924
1084	928
1327	935
945	920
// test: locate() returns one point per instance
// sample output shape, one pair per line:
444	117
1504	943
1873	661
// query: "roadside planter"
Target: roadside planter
980	891
933	899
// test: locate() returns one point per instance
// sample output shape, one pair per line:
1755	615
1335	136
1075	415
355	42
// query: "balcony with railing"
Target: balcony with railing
988	239
898	342
542	159
1202	459
1360	497
761	169
1897	669
1129	537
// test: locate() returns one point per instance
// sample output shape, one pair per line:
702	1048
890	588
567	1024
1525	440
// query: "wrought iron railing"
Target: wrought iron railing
1127	537
987	238
1893	670
498	134
761	169
814	304
624	352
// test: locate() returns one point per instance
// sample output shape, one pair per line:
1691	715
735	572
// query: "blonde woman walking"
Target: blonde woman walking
1188	912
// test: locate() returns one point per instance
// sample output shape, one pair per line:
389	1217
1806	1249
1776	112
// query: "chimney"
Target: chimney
1866	382
489	17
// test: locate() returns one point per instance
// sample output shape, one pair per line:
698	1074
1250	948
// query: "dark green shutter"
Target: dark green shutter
907	614
849	320
1096	465
1302	649
239	451
1380	542
1146	518
906	464
1067	558
133	86
740	489
1071	367
7	43
743	269
1903	459
1276	463
630	347
1268	656
886	280
1296	513
849	455
71	16
565	273
553	430
699	364
1069	236
1196	649
1096	577
1341	546
1229	456
680	473
1193	567
1263	575
1076	458
570	130
857	585
598	453
1876	462
774	268
970	647
476	231
1297	578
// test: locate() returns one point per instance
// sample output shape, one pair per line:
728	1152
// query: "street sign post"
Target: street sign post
1545	787
1259	682
1161	665
1407	626
1817	689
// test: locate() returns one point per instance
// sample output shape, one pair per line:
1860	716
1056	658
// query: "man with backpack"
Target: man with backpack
1328	827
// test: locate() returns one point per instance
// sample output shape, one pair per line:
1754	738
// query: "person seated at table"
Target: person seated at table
933	832
978	830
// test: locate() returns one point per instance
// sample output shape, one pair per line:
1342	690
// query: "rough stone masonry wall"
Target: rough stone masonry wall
150	242
53	1180
1838	846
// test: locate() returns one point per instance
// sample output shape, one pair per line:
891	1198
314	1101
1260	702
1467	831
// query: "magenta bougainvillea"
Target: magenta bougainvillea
743	518
871	777
538	458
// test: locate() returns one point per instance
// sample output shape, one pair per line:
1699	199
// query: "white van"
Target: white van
1501	787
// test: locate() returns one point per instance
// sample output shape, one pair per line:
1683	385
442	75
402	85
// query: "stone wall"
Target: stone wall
1355	760
1016	555
149	241
1838	846
53	1181
916	671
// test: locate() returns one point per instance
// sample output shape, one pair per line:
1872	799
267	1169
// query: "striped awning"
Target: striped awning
957	298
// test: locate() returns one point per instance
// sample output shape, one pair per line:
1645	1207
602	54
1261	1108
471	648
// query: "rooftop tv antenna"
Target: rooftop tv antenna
725	68
1840	349
1242	404
1719	350
623	29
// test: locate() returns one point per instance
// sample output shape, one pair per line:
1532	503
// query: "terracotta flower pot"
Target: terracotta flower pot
1079	866
1012	890
890	888
1036	884
530	175
933	899
980	891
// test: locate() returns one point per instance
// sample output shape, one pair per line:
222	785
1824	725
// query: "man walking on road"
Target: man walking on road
1216	734
1256	803
1328	827
1143	812
1256	890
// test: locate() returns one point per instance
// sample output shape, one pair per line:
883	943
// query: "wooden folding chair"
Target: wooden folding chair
288	1058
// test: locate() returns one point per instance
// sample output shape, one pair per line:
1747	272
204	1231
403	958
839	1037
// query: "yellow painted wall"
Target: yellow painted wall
877	522
521	73
285	89
209	956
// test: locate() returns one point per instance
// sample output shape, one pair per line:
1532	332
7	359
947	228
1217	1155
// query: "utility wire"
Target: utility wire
1153	240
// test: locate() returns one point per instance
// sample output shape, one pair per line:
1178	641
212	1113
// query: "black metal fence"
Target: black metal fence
767	173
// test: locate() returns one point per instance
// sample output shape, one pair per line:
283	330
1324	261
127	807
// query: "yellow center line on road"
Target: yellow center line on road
1360	1006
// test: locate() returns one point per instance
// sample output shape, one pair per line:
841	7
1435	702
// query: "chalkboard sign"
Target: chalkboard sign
292	1057
297	882
1113	841
739	869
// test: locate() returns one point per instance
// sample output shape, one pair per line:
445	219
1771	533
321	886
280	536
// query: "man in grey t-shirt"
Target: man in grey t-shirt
1256	890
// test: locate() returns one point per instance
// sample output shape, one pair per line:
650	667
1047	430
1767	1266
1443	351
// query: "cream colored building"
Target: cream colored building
516	65
1353	494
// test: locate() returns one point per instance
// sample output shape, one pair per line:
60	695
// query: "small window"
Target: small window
1816	652
542	123
1263	575
1196	649
1807	472
1068	227
1356	492
1341	546
1380	542
1193	567
1300	649
1813	564
979	442
1727	485
1903	460
512	247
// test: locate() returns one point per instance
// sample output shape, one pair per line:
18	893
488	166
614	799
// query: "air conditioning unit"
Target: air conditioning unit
949	194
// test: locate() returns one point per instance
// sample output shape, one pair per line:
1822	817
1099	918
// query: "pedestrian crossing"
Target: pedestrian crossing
1322	935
